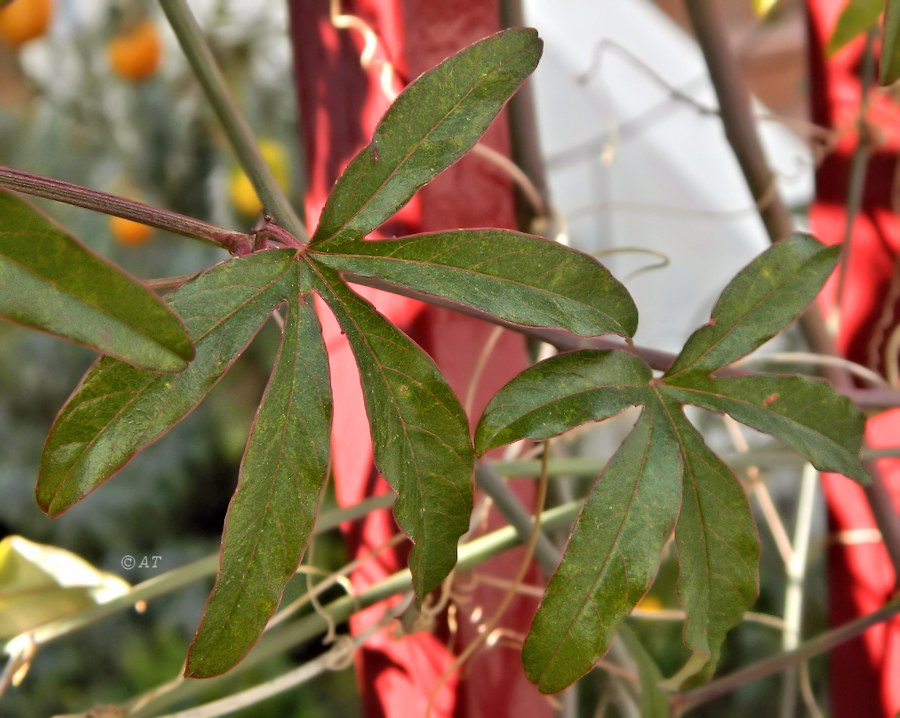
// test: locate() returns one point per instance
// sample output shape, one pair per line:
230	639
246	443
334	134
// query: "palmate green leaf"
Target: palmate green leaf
664	469
273	510
419	432
855	19
761	300
517	277
560	393
889	71
718	550
806	414
433	123
118	409
611	557
51	282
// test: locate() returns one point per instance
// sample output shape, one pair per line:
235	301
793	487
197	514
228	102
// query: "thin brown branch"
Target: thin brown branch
867	398
78	196
770	666
736	110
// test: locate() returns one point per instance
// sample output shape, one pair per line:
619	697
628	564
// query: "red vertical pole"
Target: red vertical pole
340	104
865	673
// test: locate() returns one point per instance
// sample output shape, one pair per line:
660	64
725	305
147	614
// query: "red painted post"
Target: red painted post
340	104
865	673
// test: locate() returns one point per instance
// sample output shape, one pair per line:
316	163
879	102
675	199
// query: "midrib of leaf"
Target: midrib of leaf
736	325
742	402
272	511
152	379
716	597
272	481
323	257
515	277
890	48
560	393
43	280
585	393
689	476
806	264
136	397
393	173
174	299
604	566
646	424
413	149
134	325
374	359
87	302
827	452
408	523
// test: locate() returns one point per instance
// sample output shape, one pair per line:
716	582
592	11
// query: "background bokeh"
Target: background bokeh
67	114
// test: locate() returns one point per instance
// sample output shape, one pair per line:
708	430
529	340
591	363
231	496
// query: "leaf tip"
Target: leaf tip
548	681
196	670
207	659
52	513
169	362
47	501
860	475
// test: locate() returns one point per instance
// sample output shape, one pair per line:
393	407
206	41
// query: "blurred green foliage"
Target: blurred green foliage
64	115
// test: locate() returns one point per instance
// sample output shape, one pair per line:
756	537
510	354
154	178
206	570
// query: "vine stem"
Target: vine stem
858	168
508	504
78	196
875	397
794	590
306	628
487	629
333	659
735	106
239	134
154	588
820	644
736	111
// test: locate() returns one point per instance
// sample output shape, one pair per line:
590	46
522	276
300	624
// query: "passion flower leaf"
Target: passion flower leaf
612	555
718	549
517	277
560	393
117	410
434	122
806	414
53	283
419	431
664	471
889	71
273	510
855	19
761	300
